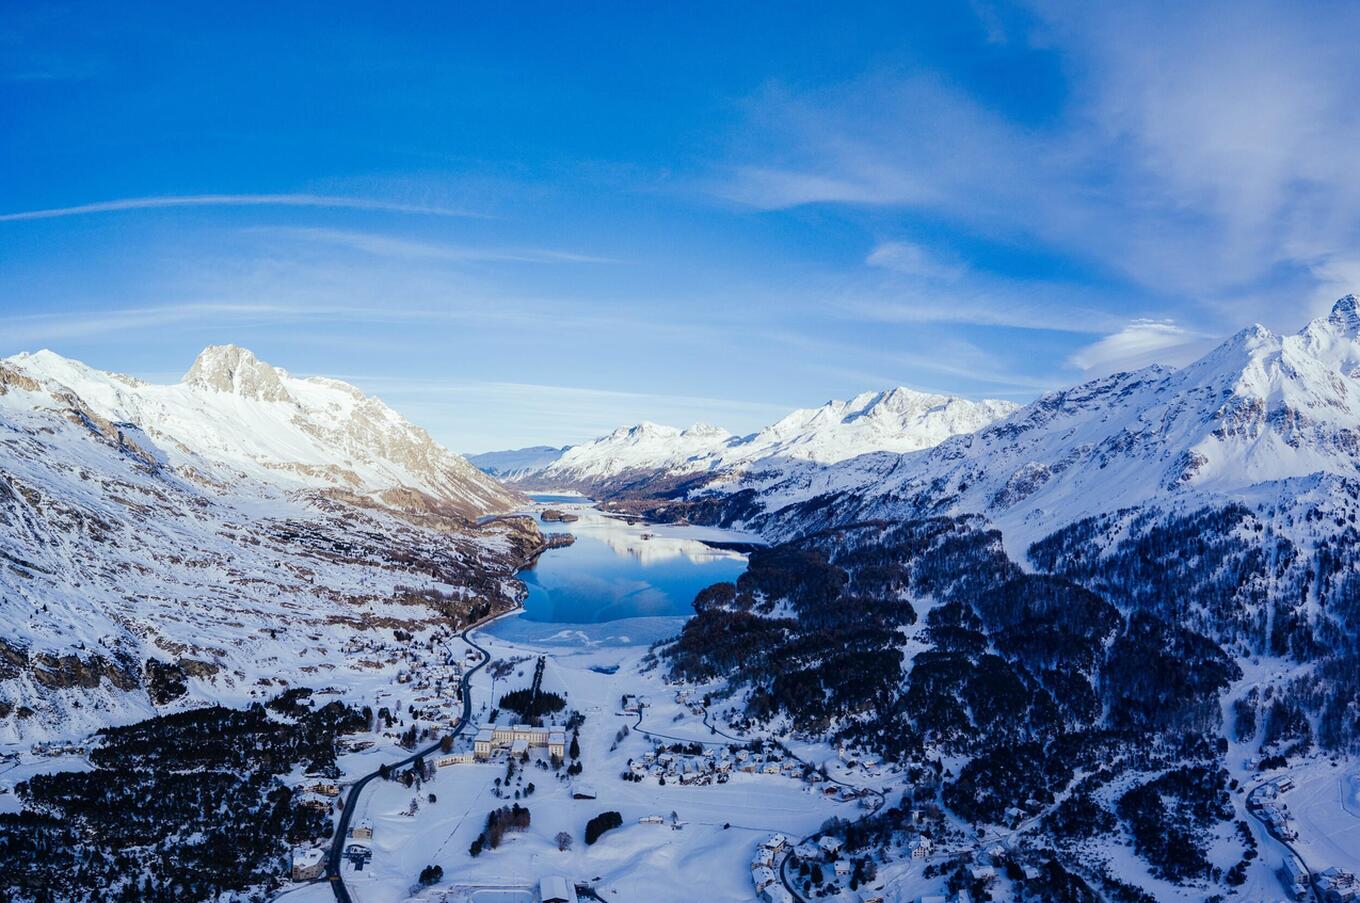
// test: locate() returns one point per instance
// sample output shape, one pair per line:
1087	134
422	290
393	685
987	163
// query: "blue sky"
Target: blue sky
531	223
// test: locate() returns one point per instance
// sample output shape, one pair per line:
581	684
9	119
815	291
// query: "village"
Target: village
1335	884
687	784
632	744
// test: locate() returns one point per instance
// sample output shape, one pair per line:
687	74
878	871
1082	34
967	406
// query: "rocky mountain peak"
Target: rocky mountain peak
1345	315
230	368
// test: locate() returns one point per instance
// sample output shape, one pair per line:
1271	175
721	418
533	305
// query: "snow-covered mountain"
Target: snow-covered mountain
233	415
1257	410
516	462
241	528
897	420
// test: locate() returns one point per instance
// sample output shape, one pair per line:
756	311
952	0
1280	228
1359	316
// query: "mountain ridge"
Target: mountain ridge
648	456
234	414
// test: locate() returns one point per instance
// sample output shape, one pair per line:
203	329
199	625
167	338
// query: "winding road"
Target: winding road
336	855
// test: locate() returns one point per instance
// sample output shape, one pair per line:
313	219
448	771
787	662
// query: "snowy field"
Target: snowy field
1326	812
634	862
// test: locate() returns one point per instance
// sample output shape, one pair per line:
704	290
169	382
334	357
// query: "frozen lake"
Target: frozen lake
616	571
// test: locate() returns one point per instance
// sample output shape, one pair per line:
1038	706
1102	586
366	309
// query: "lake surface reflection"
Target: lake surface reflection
615	570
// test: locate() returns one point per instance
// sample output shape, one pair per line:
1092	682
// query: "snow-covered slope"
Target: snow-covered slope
647	448
239	529
1259	409
233	415
517	462
897	420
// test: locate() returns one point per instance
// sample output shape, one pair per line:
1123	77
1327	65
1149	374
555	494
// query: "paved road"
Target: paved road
333	875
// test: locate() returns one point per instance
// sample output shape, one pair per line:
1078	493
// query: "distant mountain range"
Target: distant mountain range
649	456
1243	423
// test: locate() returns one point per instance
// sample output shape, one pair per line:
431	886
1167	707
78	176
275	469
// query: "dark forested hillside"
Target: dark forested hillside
179	807
1102	672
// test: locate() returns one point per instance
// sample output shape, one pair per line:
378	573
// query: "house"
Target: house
763	878
807	851
362	831
776	842
776	893
1338	885
830	845
580	791
842	868
307	864
651	820
982	872
1295	878
632	704
462	758
556	890
920	847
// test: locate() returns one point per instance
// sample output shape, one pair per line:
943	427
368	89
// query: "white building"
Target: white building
776	893
776	842
763	878
554	889
519	738
307	864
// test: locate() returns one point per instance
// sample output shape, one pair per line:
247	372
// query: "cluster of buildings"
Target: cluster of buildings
518	739
436	685
765	866
715	765
56	748
1272	810
857	758
319	795
1337	886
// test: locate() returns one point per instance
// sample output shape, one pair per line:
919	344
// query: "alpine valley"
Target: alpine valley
1102	646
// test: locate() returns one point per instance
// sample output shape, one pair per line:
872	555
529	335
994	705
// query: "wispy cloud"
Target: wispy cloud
914	260
381	245
491	415
24	330
1196	157
1138	344
962	361
981	302
234	200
